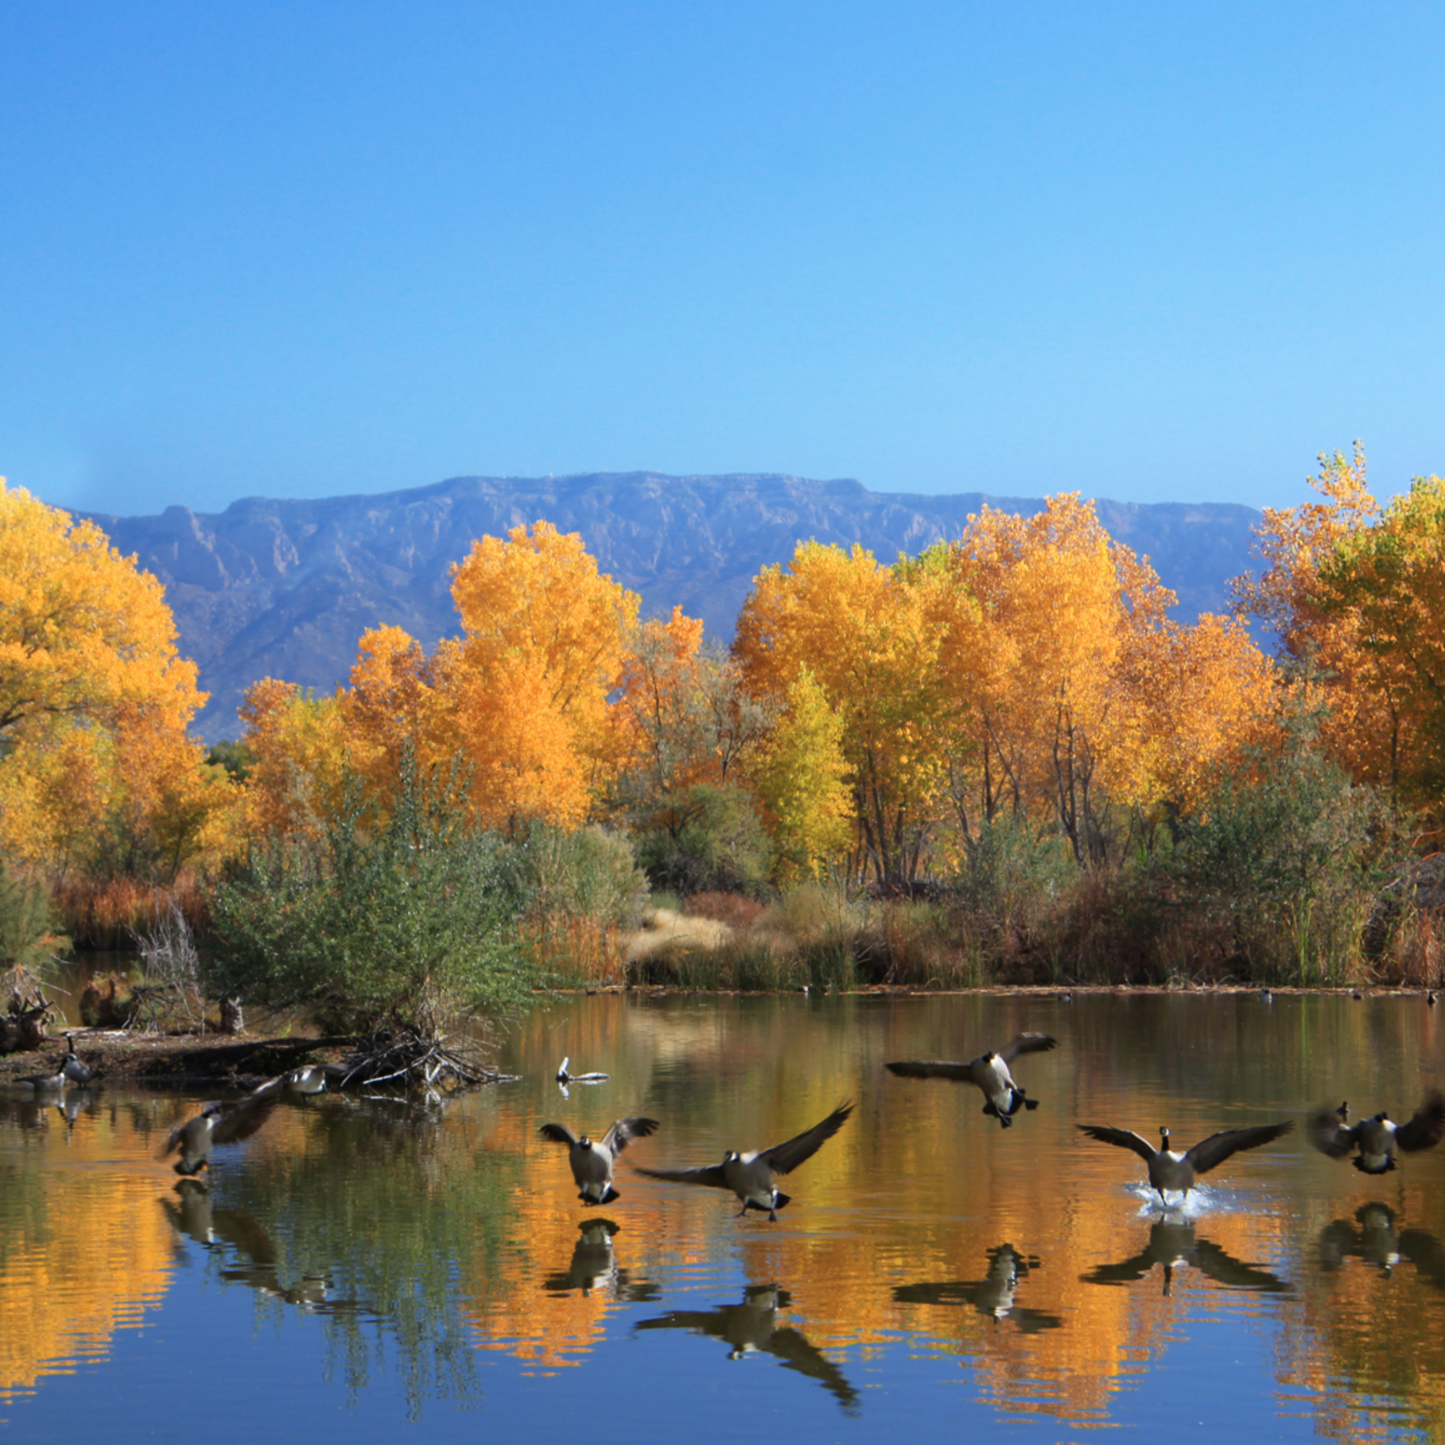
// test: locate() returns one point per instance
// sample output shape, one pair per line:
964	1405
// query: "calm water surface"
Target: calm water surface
374	1270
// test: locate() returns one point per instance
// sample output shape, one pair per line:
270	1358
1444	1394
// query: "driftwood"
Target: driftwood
28	1013
407	1056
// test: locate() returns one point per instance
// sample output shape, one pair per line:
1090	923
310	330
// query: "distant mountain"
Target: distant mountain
285	588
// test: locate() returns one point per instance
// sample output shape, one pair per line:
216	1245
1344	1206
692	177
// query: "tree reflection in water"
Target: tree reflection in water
992	1296
1173	1243
752	1326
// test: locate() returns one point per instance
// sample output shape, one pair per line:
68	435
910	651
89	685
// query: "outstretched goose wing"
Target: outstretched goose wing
934	1069
1124	1138
1027	1044
1329	1135
243	1121
1218	1147
1427	1128
558	1134
784	1158
711	1176
617	1137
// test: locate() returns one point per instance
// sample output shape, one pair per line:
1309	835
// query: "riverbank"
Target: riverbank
125	1057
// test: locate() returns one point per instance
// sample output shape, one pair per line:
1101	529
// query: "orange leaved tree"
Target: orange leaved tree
545	638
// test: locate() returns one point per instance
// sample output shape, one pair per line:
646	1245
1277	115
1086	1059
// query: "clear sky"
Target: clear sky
1153	252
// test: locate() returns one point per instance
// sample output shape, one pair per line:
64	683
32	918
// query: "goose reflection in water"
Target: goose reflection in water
594	1267
1374	1239
213	1227
752	1327
1173	1244
992	1296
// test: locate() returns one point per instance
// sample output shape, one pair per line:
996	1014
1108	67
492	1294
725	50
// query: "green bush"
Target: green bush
406	920
717	845
589	873
1284	859
26	922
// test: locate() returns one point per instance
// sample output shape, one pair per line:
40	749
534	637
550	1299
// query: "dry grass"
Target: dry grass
113	913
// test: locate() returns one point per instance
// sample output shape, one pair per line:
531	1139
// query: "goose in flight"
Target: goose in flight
990	1072
1378	1138
592	1162
219	1124
750	1176
1176	1172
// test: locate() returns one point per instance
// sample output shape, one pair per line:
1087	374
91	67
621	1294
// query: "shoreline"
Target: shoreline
245	1060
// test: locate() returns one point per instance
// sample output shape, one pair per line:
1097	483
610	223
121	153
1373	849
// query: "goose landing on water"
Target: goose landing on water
990	1072
219	1124
592	1163
750	1176
1378	1138
1173	1172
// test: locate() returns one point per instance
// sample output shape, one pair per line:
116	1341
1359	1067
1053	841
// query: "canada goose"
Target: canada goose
1171	1171
1430	998
219	1124
750	1176
592	1163
44	1084
308	1079
1377	1139
1267	995
563	1077
990	1072
76	1069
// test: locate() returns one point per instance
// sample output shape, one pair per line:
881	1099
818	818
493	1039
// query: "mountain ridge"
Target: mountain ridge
284	588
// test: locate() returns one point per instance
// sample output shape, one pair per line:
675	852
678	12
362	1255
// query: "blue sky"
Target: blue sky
1150	252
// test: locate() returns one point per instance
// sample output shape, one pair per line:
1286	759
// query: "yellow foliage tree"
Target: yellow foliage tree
863	632
297	749
1330	665
97	770
802	777
82	629
1054	632
545	639
1387	584
399	698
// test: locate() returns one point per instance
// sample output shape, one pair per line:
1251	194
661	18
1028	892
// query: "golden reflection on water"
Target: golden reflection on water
1031	1255
84	1253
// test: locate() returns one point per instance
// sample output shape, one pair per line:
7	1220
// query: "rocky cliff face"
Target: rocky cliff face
284	588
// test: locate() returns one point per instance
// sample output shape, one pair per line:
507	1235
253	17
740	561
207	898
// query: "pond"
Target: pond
375	1270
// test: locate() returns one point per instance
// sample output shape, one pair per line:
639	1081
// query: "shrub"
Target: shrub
1283	858
719	845
26	936
403	920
